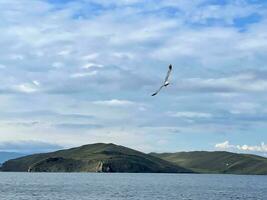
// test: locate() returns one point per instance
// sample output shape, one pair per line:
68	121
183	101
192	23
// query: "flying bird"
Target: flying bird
166	81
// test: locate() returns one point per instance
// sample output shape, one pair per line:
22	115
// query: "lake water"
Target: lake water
87	186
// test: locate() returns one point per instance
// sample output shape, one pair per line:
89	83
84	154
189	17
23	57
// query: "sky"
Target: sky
80	72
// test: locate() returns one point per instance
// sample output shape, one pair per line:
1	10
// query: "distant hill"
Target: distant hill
93	158
102	157
217	162
4	156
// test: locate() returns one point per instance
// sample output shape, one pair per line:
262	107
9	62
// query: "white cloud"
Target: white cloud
90	56
262	148
245	107
64	52
227	12
35	82
26	88
191	114
84	74
247	82
90	65
115	102
123	55
223	145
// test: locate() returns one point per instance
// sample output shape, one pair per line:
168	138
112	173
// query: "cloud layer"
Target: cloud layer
75	72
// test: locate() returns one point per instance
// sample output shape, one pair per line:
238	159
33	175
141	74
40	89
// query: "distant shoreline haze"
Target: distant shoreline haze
5	155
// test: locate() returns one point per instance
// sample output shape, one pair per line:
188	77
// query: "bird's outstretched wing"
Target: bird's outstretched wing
165	81
155	93
168	74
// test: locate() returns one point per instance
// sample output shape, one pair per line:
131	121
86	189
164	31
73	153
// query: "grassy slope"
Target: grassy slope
217	162
86	158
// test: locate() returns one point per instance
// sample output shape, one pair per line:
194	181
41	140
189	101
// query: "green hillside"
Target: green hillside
217	162
93	158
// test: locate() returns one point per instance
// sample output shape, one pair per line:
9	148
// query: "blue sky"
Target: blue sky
79	72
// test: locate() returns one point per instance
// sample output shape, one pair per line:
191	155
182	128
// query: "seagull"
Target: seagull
166	81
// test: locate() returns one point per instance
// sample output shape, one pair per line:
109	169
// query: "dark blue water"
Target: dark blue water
81	186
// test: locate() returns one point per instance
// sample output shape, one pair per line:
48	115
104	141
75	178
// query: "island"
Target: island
98	157
101	157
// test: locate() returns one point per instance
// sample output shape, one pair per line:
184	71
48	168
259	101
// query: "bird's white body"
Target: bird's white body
166	84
